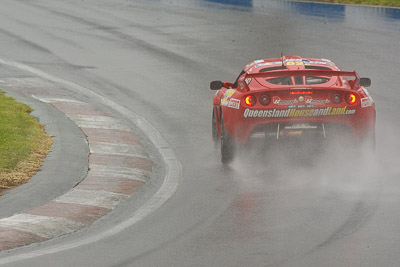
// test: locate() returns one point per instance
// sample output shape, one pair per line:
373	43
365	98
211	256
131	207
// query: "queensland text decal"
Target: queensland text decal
289	113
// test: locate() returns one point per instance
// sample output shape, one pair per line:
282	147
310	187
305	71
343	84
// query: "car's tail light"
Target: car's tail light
265	100
351	99
336	98
250	100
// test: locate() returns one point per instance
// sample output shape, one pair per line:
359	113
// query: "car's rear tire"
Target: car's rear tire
227	146
214	130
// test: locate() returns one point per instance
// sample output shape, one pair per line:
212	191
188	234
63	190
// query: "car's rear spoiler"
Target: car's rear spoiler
281	73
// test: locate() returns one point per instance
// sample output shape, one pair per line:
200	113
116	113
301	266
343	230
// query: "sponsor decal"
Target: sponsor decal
268	64
320	63
294	112
278	101
302	61
248	80
293	62
227	95
308	100
301	106
366	102
325	62
234	103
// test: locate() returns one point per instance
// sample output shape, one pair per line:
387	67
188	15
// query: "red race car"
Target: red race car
291	97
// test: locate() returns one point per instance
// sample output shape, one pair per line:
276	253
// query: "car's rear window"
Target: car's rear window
281	80
299	80
317	80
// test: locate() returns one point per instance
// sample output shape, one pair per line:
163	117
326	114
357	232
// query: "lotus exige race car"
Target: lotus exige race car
291	97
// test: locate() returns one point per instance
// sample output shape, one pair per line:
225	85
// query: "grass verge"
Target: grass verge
23	143
395	3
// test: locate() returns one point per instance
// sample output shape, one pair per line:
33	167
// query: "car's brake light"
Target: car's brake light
301	93
250	100
336	98
265	100
351	99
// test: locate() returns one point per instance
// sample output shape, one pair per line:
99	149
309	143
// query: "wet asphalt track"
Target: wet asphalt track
292	208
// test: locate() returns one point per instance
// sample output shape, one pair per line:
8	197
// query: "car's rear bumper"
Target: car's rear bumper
357	126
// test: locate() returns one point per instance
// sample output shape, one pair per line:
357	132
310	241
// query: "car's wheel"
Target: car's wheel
214	130
227	146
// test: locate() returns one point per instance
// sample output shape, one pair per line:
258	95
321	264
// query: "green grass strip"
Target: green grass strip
23	142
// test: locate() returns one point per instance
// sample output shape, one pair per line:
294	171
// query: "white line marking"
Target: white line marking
166	191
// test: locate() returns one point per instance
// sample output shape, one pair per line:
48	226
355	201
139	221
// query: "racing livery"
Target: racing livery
291	97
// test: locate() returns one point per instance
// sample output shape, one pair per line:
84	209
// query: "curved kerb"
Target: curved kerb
98	127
